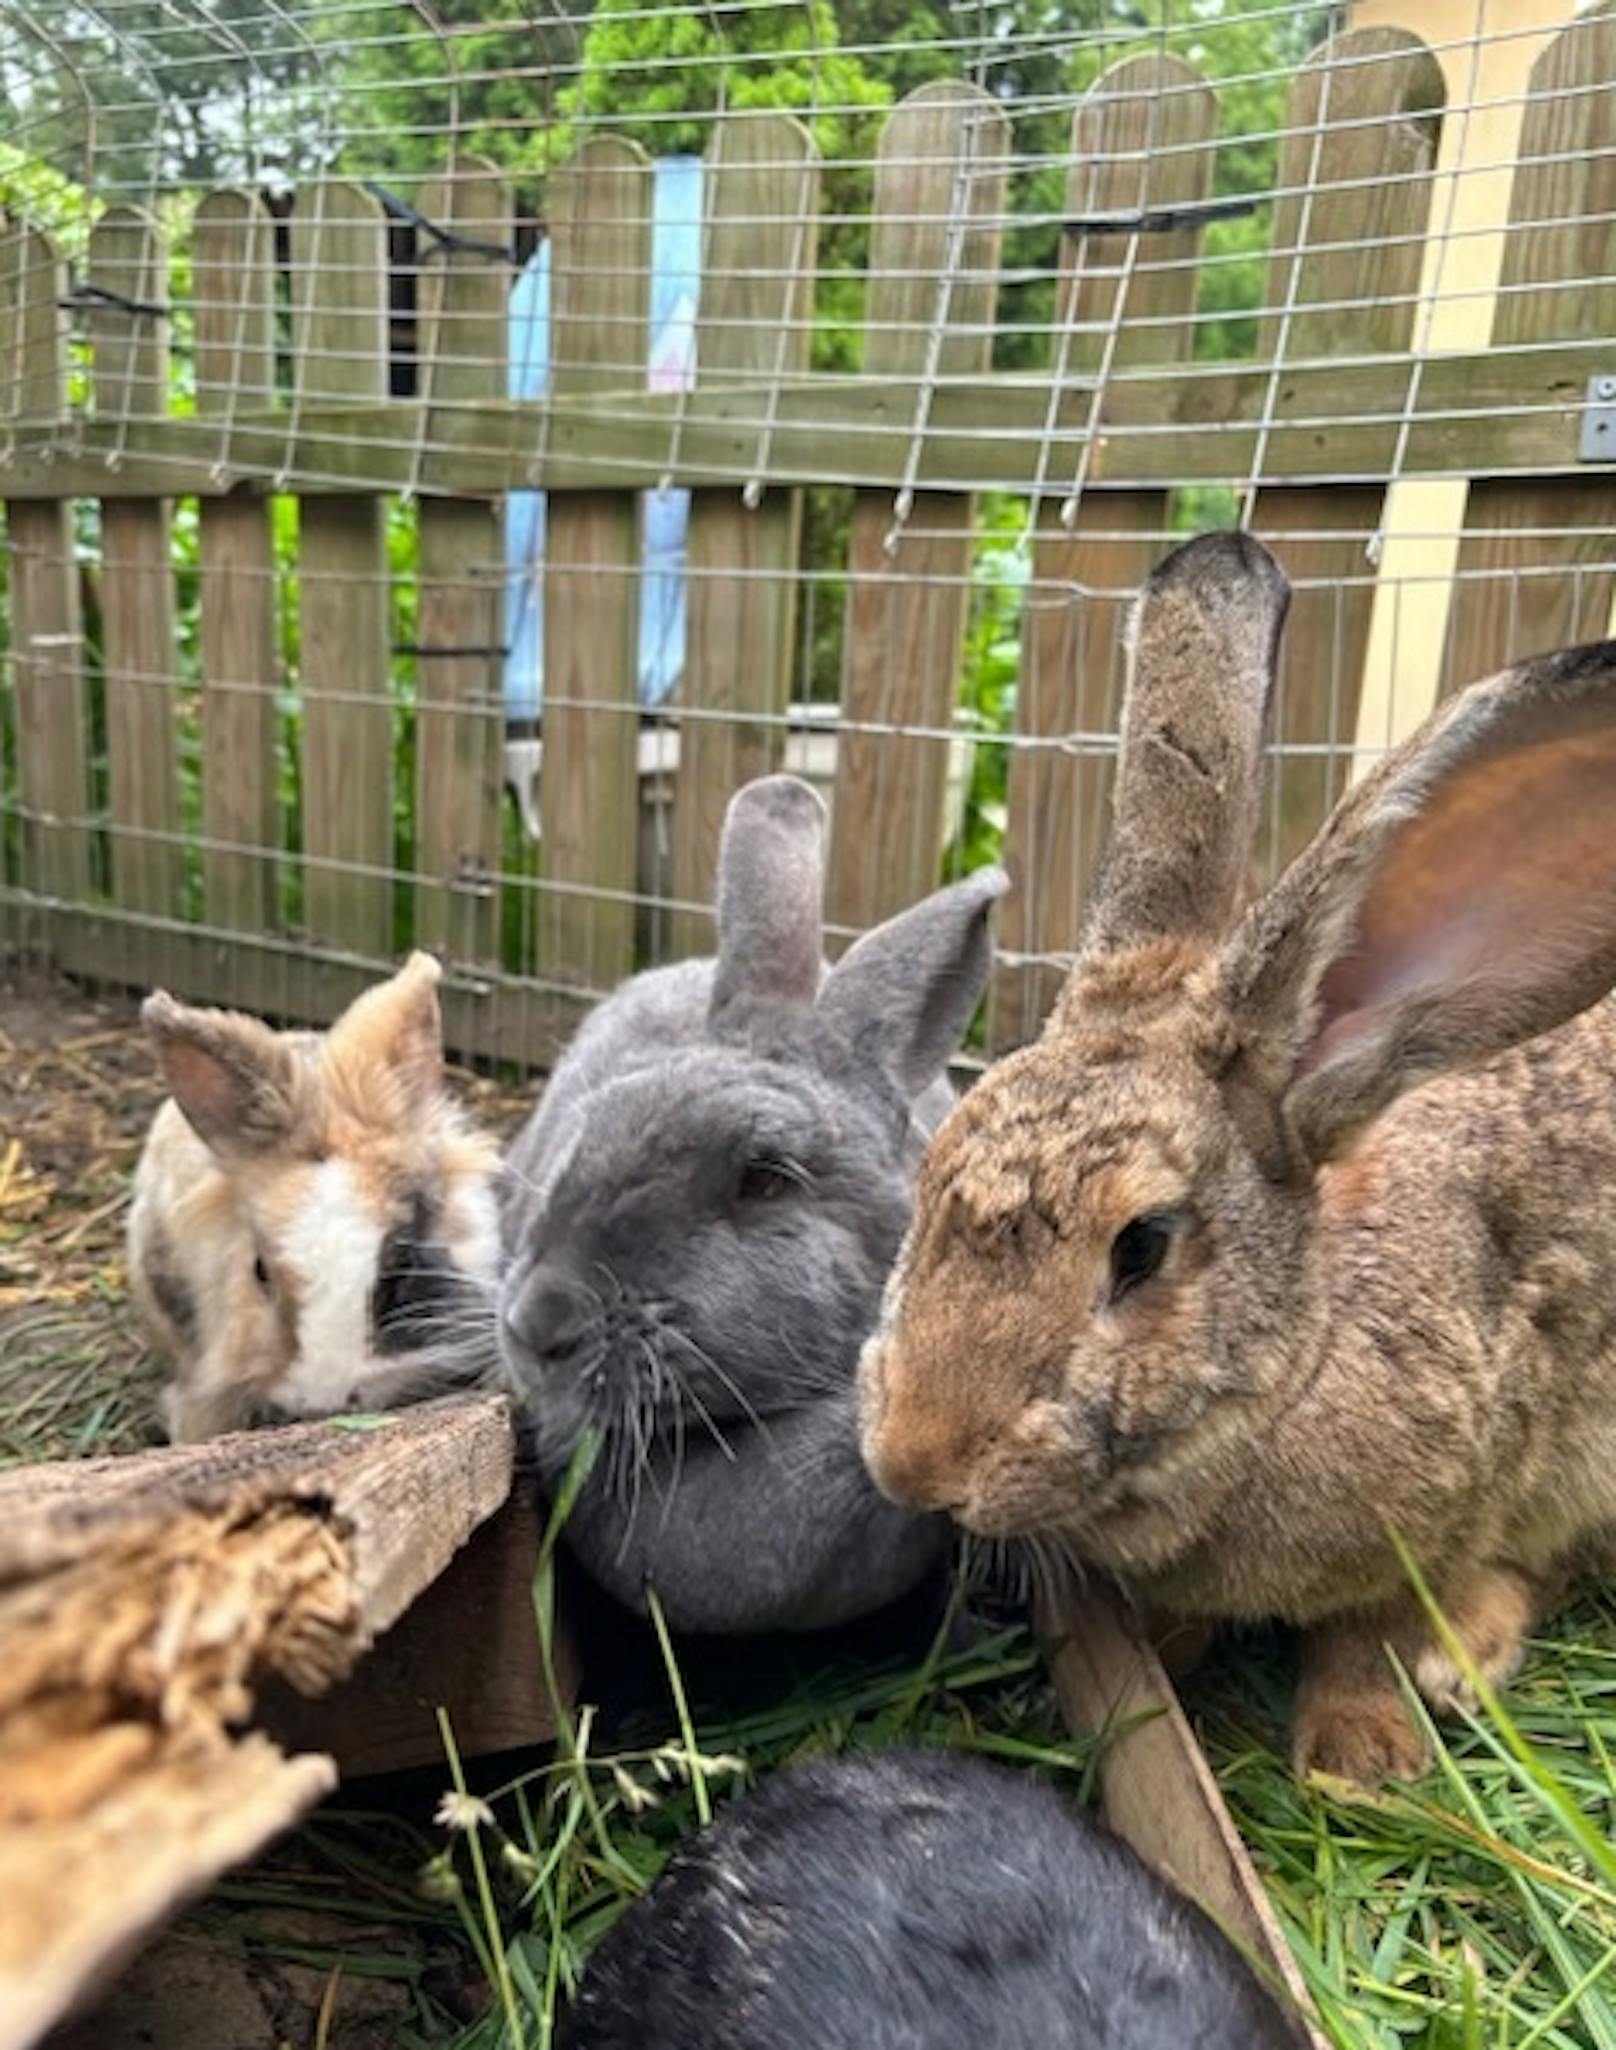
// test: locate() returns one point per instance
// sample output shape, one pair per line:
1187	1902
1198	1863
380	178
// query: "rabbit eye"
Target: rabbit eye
260	1272
1137	1252
766	1181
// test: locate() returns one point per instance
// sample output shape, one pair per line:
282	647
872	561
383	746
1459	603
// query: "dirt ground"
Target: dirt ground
286	1955
77	1089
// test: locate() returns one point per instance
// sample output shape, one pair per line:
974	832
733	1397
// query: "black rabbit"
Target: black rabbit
915	1900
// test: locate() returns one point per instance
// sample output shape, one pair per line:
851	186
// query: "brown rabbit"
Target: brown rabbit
1299	1228
313	1217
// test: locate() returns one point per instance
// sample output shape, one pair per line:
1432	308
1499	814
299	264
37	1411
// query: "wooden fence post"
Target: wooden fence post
462	320
1364	121
339	329
760	248
130	349
1144	137
1535	557
47	633
600	286
234	284
934	249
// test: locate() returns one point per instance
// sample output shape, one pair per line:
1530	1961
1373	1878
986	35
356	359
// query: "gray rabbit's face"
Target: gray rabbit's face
712	1248
700	1217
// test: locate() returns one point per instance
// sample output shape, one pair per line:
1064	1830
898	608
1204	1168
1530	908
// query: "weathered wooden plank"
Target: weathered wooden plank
139	652
461	328
759	253
234	283
1156	1788
1144	137
339	333
47	639
142	1602
934	251
1355	174
1491	413
1535	568
468	1646
600	227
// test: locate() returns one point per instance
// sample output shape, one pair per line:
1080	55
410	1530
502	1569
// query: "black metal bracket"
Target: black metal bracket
448	653
446	241
97	299
1162	220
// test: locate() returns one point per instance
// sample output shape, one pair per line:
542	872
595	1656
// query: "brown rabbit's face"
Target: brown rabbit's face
1050	1358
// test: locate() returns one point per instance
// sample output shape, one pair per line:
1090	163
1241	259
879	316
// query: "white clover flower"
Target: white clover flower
464	1812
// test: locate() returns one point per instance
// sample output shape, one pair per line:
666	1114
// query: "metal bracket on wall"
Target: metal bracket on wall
1597	441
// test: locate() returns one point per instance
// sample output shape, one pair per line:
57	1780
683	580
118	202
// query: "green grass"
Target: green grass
1475	1910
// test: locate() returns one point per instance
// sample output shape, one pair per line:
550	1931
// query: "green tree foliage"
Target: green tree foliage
129	98
661	78
421	84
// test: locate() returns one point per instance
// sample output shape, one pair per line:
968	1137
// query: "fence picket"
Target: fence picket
339	327
934	247
760	248
1145	137
461	347
600	224
234	284
47	637
1355	179
1535	557
130	351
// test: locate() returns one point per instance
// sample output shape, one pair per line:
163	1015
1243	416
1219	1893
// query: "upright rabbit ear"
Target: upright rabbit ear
391	1036
1460	900
235	1080
908	988
771	871
1205	643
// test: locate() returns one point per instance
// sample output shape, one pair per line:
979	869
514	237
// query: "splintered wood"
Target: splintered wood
142	1603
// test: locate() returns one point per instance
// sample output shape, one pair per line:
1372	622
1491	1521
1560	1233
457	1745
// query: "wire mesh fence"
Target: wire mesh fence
445	450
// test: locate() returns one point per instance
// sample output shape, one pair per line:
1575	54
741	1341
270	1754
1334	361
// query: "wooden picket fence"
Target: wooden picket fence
115	863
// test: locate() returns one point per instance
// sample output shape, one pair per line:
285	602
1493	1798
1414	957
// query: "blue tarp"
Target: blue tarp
665	515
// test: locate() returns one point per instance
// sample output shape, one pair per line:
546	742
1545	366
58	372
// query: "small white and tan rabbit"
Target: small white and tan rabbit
312	1211
1298	1229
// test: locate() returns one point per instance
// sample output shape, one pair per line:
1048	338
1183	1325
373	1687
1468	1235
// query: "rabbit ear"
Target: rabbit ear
391	1036
771	864
1205	642
909	987
235	1080
1460	900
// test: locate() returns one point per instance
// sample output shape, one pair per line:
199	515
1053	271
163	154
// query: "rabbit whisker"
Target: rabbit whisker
681	1381
724	1380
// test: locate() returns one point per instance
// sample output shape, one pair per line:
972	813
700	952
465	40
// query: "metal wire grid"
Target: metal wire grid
300	114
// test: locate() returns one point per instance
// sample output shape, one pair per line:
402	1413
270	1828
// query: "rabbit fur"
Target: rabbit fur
700	1216
313	1216
915	1900
1297	1231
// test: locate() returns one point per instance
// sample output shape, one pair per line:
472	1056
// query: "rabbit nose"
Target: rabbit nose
922	1469
552	1316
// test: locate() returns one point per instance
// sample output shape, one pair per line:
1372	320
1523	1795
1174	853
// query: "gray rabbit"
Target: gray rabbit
700	1218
